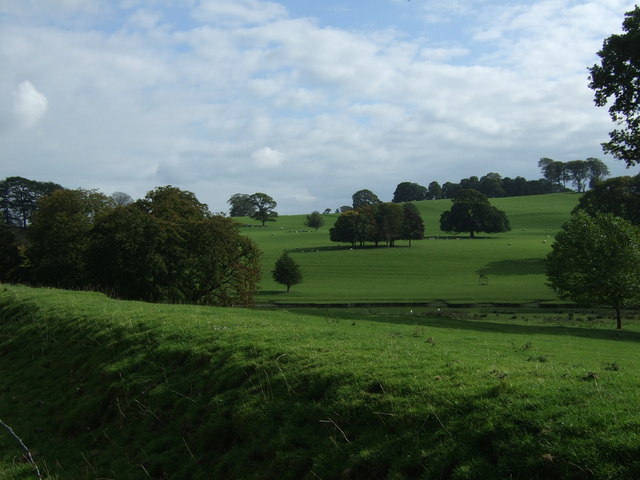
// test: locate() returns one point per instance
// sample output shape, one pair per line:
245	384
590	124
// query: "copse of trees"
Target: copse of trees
258	206
471	212
381	222
581	173
166	247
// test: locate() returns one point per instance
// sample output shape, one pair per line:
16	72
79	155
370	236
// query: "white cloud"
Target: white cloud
238	12
29	105
267	157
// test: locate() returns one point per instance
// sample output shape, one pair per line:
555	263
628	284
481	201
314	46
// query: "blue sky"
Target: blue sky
306	101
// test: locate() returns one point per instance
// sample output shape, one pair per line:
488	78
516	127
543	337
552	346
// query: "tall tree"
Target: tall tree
616	83
241	205
579	172
364	198
314	220
287	271
120	199
553	171
434	191
471	212
389	220
409	192
264	208
413	225
598	170
596	260
350	227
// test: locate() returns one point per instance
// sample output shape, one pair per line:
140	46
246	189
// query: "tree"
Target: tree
579	173
471	212
413	225
434	191
287	271
170	248
363	198
241	205
19	198
9	255
619	196
351	227
59	236
314	220
597	171
264	208
327	211
389	222
491	185
616	82
120	199
409	192
596	260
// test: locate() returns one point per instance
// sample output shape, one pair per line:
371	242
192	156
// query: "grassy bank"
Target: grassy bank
440	267
99	388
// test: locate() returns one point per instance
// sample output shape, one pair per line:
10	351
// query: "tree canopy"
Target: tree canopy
471	212
241	205
364	198
409	192
19	198
596	260
616	83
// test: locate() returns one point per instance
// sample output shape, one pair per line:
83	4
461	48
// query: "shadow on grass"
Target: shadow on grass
334	248
459	321
524	266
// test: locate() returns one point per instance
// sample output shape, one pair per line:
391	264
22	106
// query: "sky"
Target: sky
307	101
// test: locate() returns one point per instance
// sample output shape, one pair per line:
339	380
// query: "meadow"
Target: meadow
109	389
100	388
442	267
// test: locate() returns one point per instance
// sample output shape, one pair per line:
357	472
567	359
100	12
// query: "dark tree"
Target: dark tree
265	206
327	211
491	185
450	189
59	236
616	83
389	222
409	192
596	261
471	212
19	198
241	205
10	258
434	191
287	271
413	225
598	170
350	227
554	171
619	196
314	220
579	173
364	198
169	248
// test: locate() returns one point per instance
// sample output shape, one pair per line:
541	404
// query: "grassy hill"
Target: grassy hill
99	388
441	267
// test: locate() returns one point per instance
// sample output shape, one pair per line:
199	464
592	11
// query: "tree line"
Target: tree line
166	247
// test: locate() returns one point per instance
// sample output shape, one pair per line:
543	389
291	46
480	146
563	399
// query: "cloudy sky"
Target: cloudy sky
307	101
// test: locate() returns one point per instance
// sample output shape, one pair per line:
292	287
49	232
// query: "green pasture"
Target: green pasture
99	388
441	267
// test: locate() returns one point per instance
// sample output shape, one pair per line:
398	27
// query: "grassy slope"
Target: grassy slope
430	270
107	389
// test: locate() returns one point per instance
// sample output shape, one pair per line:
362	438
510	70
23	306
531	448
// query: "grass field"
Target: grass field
440	267
99	388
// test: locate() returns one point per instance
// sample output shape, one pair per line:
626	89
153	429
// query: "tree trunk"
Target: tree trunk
618	317
288	287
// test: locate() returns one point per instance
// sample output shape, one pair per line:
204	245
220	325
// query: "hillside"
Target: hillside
100	388
440	267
